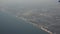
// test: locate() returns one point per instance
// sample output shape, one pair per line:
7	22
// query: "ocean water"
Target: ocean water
11	25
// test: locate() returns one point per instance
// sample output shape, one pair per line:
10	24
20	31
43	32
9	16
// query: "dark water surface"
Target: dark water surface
11	25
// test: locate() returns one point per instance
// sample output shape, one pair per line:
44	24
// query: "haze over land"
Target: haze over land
41	12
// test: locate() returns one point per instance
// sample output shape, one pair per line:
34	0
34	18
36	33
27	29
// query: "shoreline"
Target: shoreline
39	26
46	30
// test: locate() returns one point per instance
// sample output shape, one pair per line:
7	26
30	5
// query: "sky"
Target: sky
25	1
25	6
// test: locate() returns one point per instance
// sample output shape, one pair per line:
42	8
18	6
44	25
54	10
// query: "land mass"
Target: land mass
49	19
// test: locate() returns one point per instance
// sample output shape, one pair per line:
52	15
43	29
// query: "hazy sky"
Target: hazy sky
14	6
26	1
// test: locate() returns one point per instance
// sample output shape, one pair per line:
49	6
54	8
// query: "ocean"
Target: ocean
11	25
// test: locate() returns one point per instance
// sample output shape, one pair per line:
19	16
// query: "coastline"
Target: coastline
39	26
46	30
